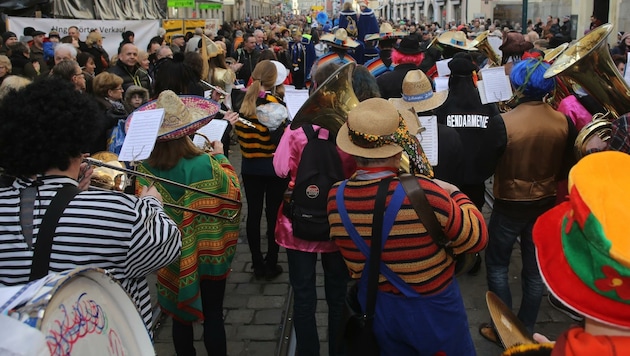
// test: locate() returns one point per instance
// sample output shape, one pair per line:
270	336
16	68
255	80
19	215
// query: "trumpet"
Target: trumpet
125	173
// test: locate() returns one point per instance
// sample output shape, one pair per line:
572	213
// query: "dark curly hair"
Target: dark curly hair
44	126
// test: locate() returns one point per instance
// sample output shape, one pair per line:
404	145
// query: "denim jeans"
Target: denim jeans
302	278
503	231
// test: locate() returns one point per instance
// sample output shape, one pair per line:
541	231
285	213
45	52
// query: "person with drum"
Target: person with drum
192	287
41	147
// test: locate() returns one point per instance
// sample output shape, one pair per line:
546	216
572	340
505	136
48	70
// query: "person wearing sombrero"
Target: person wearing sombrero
529	149
407	56
191	289
386	38
453	42
583	258
429	319
339	44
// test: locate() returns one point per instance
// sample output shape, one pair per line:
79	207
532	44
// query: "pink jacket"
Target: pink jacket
285	162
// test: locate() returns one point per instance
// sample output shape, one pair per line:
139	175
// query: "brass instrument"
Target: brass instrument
329	105
434	42
483	45
588	63
118	171
223	94
562	83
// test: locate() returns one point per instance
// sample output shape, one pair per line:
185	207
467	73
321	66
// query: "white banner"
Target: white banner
111	30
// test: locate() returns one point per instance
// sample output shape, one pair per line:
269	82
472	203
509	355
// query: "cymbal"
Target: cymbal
510	329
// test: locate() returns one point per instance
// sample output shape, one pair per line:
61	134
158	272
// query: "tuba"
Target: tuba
329	105
562	83
483	45
588	63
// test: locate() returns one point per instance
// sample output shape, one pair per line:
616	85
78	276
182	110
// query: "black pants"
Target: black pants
270	191
212	293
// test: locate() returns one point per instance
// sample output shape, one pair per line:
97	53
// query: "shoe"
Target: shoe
272	272
557	305
259	271
487	331
476	267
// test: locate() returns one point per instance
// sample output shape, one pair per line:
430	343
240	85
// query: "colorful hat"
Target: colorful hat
385	32
183	114
339	39
456	39
418	94
582	245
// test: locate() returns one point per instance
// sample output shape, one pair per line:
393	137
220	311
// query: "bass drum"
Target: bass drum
86	312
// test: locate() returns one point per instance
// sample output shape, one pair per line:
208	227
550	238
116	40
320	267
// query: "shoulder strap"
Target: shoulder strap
43	247
309	131
424	210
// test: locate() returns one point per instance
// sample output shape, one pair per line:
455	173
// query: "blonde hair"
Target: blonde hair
263	76
93	38
5	61
104	82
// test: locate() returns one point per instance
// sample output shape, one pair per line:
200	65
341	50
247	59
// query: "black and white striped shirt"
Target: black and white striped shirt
129	236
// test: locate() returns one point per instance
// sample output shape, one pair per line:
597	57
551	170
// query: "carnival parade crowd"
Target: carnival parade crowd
393	226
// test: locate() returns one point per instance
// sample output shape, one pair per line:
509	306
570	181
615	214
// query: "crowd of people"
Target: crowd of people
545	200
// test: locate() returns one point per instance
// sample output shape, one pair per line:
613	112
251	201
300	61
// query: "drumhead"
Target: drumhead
91	314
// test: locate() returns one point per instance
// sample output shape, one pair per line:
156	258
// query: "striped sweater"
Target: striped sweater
129	236
409	250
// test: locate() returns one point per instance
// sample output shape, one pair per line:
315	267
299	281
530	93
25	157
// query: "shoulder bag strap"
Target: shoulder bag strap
43	246
424	210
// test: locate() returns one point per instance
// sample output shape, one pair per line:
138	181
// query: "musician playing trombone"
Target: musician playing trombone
192	288
41	146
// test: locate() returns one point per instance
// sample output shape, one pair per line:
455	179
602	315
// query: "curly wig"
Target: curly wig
527	76
36	138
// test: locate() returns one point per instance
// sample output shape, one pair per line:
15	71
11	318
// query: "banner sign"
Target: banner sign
180	3
111	30
210	6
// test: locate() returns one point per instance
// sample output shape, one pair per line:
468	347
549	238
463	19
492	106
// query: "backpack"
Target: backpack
319	168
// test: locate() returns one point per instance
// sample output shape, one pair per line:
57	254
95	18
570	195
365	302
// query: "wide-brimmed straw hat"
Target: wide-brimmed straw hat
457	39
183	114
385	32
418	94
376	117
582	245
339	39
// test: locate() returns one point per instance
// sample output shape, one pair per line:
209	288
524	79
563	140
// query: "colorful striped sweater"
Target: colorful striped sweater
409	250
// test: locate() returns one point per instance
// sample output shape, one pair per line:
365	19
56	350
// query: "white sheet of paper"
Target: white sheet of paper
441	84
626	76
294	99
141	135
213	131
496	85
495	43
442	67
429	138
207	94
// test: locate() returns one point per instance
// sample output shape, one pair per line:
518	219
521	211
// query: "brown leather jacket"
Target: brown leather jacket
534	155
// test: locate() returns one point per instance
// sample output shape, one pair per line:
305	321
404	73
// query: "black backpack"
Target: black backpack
319	168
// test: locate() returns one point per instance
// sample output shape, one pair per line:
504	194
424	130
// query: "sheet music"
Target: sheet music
294	99
495	43
141	135
429	138
214	131
441	84
442	67
496	85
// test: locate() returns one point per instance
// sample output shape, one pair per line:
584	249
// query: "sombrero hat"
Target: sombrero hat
418	94
456	39
582	245
385	32
339	39
183	114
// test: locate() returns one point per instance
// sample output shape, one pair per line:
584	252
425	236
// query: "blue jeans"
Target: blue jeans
503	231
302	278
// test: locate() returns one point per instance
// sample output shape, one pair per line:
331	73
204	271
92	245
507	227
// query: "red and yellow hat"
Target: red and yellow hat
583	245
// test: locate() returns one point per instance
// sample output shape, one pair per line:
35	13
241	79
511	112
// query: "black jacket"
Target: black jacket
133	76
390	83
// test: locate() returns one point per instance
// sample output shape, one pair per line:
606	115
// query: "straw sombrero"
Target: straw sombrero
582	245
385	32
340	39
183	114
456	39
418	94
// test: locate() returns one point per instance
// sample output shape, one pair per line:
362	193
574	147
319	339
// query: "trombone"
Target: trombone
129	172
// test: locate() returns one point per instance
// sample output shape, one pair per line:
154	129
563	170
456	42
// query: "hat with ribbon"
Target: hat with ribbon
385	32
457	39
376	129
340	39
515	43
582	245
418	94
409	45
183	114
